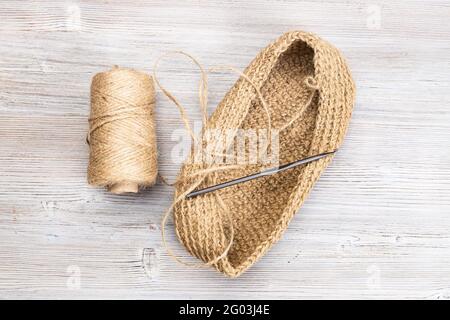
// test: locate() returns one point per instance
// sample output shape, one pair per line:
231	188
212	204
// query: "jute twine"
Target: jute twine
199	175
304	85
122	140
299	85
195	178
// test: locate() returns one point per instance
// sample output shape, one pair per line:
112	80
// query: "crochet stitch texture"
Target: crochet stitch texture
301	75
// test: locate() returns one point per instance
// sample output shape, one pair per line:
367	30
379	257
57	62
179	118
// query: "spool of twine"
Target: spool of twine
122	139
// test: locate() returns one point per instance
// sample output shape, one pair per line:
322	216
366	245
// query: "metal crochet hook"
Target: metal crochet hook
264	173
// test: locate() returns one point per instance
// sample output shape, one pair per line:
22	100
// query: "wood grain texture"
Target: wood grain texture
377	224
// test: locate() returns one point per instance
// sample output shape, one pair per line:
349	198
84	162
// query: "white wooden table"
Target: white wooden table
377	224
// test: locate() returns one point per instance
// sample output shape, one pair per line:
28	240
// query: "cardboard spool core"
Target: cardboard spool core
124	187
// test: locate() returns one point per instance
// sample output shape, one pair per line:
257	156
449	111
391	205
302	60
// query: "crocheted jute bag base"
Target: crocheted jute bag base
301	77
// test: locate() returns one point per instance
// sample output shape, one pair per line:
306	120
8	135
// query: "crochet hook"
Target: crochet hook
263	173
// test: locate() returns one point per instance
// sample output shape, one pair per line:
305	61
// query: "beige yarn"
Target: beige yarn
122	140
201	174
285	72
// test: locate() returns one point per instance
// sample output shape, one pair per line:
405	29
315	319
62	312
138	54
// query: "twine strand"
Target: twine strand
203	101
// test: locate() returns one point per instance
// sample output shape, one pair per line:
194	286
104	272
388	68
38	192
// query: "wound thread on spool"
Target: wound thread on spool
122	138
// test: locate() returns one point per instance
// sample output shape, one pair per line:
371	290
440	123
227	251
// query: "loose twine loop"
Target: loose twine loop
203	103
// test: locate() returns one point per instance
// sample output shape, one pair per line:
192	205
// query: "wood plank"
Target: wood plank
375	226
